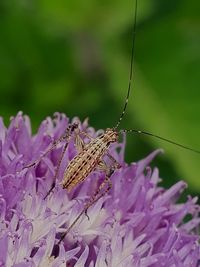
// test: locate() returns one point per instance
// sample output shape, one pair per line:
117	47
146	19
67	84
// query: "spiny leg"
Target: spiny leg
54	144
109	171
69	130
57	170
89	204
98	194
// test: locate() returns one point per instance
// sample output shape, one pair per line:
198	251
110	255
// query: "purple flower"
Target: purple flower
137	224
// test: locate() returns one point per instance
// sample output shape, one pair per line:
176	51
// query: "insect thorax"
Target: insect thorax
111	135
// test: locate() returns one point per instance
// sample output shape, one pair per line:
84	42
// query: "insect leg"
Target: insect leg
57	169
79	143
87	135
69	130
115	162
109	171
98	194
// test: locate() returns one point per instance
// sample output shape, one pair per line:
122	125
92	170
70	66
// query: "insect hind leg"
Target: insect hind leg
103	189
99	194
65	137
57	170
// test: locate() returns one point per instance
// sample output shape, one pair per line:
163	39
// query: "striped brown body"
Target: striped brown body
87	160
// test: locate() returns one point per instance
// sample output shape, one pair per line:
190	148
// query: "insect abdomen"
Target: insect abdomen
84	163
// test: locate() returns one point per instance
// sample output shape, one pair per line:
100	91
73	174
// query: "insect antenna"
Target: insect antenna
128	94
131	67
161	138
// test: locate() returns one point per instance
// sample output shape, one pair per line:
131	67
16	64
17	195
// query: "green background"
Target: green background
73	57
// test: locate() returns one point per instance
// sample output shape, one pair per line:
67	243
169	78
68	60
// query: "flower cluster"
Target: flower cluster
137	224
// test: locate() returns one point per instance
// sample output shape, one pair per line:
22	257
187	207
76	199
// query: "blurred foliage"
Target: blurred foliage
73	57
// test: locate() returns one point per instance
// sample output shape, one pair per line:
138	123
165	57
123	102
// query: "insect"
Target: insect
90	156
